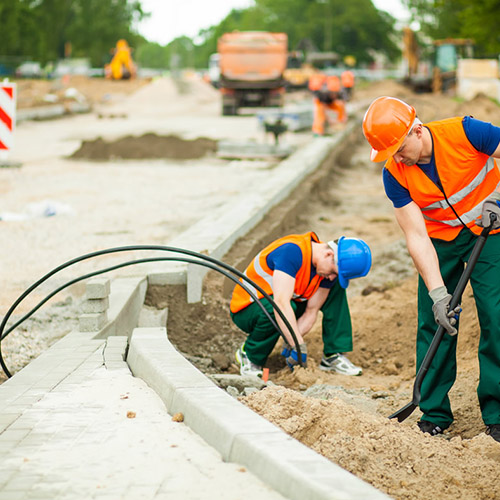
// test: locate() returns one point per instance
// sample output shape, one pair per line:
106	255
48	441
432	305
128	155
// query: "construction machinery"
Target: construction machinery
298	71
439	73
122	66
447	52
252	64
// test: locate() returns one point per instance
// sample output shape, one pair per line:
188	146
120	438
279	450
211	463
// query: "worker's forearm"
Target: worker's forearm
287	310
306	321
426	261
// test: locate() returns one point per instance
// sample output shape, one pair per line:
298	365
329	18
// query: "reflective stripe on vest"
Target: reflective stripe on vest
474	212
262	275
467	176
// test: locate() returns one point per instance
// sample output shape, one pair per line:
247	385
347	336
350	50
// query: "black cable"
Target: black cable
130	263
124	264
149	247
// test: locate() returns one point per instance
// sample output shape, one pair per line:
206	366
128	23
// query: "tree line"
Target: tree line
477	20
48	30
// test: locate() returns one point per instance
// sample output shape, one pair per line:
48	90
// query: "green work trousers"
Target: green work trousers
485	282
262	336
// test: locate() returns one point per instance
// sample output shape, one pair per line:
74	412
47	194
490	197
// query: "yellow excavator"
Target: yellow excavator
122	66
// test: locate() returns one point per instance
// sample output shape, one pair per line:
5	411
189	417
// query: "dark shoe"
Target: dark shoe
430	428
494	431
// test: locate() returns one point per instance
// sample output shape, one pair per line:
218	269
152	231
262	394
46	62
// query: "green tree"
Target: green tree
331	25
41	29
460	19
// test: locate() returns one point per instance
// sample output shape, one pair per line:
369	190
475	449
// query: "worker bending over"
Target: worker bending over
304	276
327	96
444	183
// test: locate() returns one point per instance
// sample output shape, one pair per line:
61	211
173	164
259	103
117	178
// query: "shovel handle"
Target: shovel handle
456	298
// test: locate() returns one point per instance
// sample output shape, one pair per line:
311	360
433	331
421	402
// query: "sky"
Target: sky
173	18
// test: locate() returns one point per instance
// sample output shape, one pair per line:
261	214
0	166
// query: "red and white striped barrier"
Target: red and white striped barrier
7	116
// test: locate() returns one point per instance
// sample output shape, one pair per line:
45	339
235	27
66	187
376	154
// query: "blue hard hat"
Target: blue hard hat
354	259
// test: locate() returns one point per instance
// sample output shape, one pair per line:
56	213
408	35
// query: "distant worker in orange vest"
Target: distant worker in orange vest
327	96
347	81
444	183
121	66
304	276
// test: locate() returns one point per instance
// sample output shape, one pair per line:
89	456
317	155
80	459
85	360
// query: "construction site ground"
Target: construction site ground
103	201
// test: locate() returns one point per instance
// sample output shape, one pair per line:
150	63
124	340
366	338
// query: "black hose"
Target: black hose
144	247
131	263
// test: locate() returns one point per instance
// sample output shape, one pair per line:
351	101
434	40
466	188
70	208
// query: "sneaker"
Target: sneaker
340	364
429	427
247	368
493	430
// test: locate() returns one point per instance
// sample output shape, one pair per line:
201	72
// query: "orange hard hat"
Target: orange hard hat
386	124
333	84
316	81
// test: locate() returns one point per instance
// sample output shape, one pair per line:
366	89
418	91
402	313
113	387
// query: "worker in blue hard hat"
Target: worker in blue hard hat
304	276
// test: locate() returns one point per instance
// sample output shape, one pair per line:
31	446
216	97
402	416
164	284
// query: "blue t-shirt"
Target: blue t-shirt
288	259
485	137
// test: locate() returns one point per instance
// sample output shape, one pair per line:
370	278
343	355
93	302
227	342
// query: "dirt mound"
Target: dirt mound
147	146
394	459
34	93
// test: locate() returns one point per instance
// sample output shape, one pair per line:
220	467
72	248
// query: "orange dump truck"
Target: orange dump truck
252	64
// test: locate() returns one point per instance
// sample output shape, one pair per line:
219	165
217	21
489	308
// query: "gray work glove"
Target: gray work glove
442	315
491	205
293	360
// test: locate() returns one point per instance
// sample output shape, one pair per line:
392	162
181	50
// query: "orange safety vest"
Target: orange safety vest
467	176
259	272
347	79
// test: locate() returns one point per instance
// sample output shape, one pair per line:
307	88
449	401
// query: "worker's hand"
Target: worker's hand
491	206
442	314
293	359
287	349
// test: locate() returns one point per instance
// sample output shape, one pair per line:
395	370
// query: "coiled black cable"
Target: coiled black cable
211	263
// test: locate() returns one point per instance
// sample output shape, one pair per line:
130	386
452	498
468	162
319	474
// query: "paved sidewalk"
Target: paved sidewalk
88	429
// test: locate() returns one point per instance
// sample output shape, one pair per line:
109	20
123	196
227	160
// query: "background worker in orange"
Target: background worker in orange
347	82
444	183
327	96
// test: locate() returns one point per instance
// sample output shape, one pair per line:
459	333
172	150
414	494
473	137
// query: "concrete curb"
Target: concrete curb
236	432
51	111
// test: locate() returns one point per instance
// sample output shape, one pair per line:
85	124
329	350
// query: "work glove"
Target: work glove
442	314
287	349
491	206
293	358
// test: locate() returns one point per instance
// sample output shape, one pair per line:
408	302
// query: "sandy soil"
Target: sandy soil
34	93
345	418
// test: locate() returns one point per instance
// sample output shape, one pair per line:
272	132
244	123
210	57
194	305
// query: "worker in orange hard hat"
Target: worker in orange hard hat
327	95
347	81
444	183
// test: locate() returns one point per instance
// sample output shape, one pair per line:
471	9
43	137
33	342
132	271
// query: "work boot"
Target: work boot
493	430
247	368
340	364
429	428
